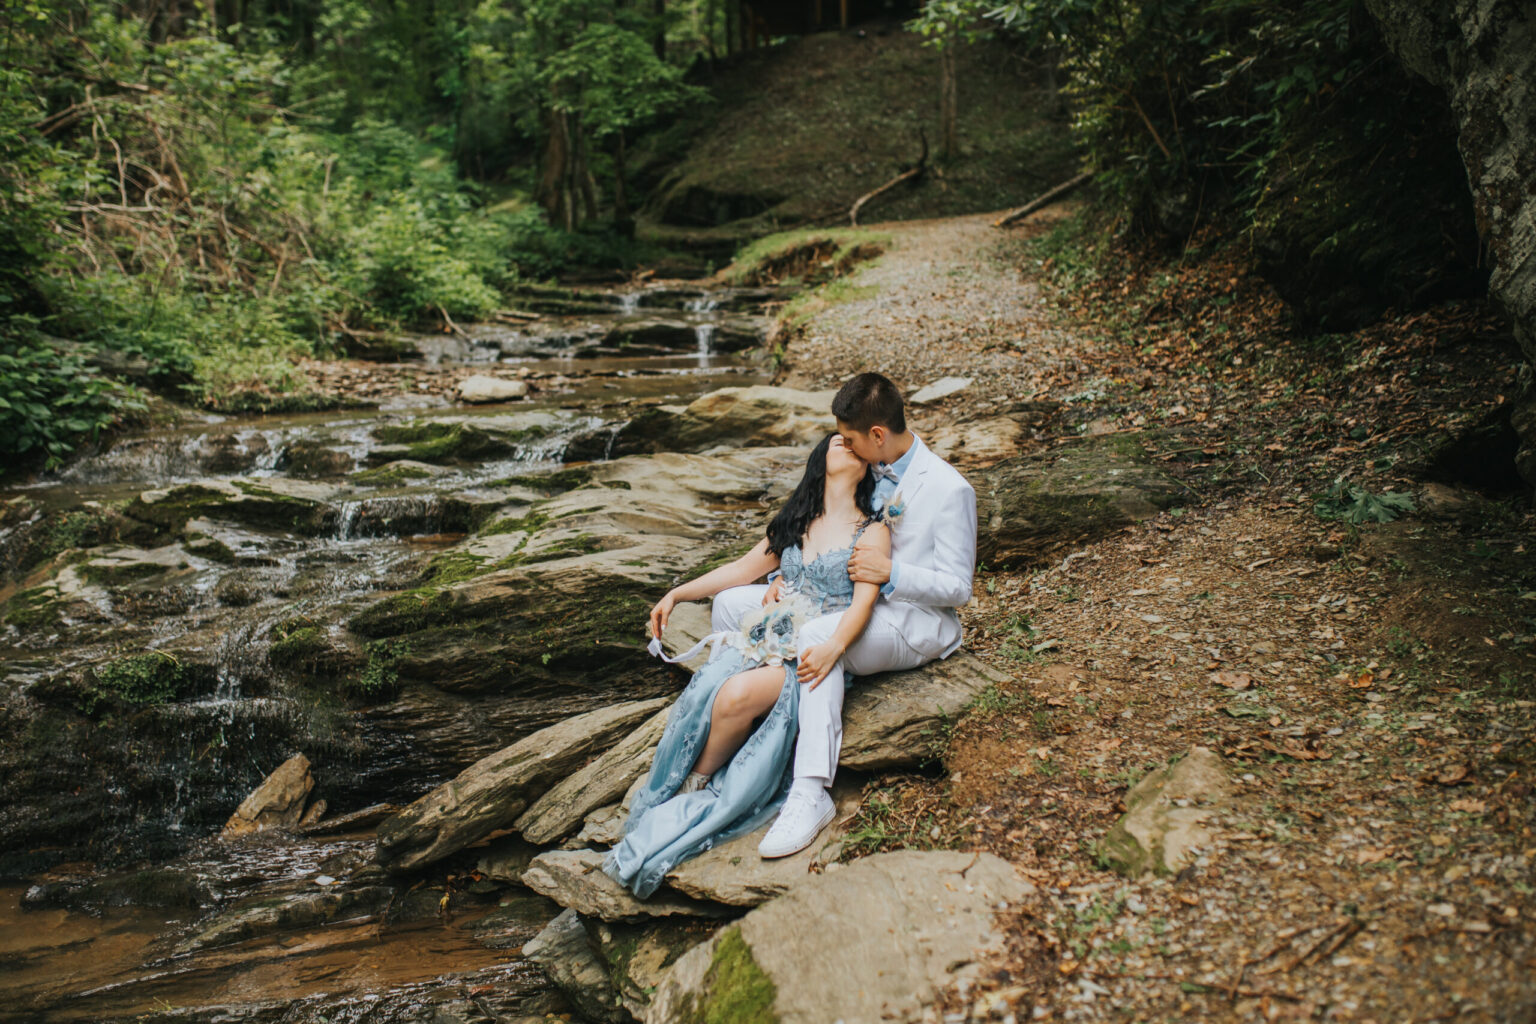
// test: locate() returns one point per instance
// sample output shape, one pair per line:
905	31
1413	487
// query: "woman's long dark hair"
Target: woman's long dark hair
809	500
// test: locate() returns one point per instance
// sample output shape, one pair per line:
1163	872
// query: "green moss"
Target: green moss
211	548
35	608
390	475
178	505
724	556
403	613
154	677
523	524
119	575
810	254
557	481
735	989
454	567
381	676
569	547
305	645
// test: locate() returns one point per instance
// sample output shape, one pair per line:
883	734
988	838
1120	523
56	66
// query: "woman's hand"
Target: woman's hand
774	592
816	662
660	613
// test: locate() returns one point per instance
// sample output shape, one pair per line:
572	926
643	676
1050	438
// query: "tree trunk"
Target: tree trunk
659	9
553	181
732	26
581	175
949	105
621	215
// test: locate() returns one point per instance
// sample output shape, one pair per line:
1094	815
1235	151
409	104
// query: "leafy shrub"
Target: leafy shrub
1354	504
50	400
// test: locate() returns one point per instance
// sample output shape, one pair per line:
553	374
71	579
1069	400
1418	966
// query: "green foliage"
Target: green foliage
1289	121
222	201
1354	504
50	400
154	677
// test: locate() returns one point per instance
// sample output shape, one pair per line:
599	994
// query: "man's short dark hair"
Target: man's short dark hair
868	399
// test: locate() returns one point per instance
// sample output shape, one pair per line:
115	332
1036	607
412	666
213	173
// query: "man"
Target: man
931	511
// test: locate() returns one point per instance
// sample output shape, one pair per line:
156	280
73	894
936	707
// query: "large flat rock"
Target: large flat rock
491	793
1031	508
565	805
1165	824
747	417
575	879
733	873
863	944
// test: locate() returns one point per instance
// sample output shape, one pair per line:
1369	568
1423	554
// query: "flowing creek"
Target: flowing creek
340	506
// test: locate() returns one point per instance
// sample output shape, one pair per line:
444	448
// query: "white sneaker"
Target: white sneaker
799	822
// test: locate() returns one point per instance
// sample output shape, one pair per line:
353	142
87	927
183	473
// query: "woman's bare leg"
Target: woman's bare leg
740	699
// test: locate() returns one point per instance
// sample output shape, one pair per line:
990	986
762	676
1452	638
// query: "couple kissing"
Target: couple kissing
867	564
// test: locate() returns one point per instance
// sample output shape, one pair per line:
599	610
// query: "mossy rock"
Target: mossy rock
108	574
121	684
35	609
437	441
394	474
312	460
1031	508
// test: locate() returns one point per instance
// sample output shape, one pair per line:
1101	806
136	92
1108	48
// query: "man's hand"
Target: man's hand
774	592
660	613
816	662
868	565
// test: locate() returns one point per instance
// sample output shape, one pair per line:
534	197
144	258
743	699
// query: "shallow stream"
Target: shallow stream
82	941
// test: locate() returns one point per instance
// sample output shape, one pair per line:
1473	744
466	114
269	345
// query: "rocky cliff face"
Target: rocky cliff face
1483	54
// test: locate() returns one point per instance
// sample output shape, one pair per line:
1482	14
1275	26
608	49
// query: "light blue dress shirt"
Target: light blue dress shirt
884	489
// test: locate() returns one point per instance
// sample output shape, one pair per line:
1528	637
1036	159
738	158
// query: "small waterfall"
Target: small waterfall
346	523
629	303
391	516
707	304
704	333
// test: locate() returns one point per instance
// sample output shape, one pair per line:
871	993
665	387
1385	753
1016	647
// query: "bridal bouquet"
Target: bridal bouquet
772	637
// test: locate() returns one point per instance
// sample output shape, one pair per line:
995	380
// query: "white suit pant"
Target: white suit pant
880	648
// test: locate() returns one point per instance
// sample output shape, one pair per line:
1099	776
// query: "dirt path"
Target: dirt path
1368	687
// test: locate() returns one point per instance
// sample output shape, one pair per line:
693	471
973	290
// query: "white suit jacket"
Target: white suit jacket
933	543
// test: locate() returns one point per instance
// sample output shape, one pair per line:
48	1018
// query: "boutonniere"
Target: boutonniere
894	509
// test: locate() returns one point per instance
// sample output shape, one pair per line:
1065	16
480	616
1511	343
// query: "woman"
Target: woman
714	777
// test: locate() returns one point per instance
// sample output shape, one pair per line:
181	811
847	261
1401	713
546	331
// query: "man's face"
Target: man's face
868	446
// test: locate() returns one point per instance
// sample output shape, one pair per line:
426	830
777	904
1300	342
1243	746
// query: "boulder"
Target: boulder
312	459
737	417
891	720
605	826
572	600
482	388
567	956
564	806
941	388
638	956
279	800
491	793
735	874
1482	55
1032	507
1164	825
873	941
575	879
980	442
506	858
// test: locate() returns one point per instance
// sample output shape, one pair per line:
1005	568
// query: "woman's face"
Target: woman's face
842	462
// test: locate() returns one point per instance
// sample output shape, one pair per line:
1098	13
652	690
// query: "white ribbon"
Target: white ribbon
654	647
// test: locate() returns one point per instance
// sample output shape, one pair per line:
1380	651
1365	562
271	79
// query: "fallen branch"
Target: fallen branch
451	325
907	175
1039	201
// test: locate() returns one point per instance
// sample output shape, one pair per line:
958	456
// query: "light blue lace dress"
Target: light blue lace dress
666	827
